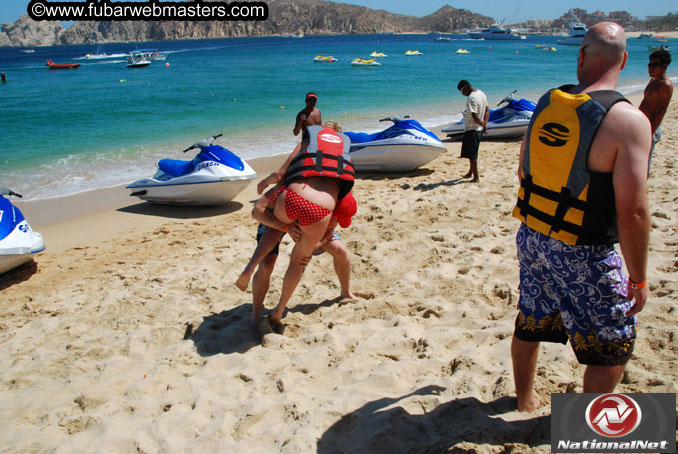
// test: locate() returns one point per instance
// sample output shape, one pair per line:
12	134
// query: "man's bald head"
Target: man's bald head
603	50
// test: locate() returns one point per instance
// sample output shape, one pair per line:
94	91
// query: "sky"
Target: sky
512	11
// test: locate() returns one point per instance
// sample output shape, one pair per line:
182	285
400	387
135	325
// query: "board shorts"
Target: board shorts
470	143
575	293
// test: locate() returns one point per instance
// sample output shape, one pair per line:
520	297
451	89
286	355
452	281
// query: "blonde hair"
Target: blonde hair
334	125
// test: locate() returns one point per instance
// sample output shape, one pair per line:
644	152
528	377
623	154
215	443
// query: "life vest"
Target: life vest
326	155
559	196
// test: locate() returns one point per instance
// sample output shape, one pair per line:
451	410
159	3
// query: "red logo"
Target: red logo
613	415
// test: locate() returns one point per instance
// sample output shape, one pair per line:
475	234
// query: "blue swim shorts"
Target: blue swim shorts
575	293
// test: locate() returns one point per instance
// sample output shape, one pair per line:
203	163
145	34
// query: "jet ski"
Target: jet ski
509	121
18	242
214	177
404	146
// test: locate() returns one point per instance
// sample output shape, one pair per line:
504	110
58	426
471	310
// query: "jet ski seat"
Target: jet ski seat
176	167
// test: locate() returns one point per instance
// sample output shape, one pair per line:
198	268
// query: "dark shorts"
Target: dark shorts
575	293
260	231
470	143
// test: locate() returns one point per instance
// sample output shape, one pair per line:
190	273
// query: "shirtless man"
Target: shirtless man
567	235
309	116
657	93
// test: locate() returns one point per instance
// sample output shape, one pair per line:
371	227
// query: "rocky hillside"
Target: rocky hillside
308	17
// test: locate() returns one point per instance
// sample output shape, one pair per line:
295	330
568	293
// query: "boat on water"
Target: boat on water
28	51
463	51
213	177
363	62
442	39
376	54
548	49
577	31
645	36
136	59
53	65
655	48
153	54
413	52
496	32
324	59
661	40
18	242
404	146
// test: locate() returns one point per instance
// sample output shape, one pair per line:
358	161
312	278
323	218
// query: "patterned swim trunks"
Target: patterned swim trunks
575	293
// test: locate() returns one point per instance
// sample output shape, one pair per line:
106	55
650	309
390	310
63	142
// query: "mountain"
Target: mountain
285	17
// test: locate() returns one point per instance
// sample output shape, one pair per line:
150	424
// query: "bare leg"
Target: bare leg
310	236
469	174
474	171
265	245
260	285
342	266
524	356
602	379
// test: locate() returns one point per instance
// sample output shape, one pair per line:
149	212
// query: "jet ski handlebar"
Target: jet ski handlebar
5	191
204	142
508	99
395	119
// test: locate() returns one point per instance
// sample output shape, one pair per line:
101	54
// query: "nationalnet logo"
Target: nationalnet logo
613	423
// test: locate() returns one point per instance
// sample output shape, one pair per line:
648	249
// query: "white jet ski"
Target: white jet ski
404	146
510	121
214	177
18	242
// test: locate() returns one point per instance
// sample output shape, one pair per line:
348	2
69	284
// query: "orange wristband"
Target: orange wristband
635	286
286	227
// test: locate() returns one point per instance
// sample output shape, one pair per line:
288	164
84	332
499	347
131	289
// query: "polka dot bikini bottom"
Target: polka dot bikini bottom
299	209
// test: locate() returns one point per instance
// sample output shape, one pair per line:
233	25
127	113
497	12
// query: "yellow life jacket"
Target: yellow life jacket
559	196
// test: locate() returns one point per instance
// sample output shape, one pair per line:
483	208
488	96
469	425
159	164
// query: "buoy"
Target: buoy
490	47
167	64
516	52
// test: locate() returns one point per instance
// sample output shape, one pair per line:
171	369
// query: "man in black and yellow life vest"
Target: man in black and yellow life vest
583	173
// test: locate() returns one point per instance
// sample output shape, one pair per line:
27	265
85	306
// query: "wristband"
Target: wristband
635	286
287	227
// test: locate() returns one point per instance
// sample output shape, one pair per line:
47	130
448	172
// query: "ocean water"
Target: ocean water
67	131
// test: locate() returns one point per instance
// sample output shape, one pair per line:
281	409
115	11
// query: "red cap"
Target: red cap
311	95
345	210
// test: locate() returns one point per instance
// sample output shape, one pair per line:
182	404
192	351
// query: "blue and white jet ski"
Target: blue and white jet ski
18	242
510	121
404	146
214	177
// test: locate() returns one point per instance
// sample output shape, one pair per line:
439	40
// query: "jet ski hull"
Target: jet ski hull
510	130
192	193
19	247
393	157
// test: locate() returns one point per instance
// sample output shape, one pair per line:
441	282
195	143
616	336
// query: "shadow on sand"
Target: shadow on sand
179	211
375	429
18	275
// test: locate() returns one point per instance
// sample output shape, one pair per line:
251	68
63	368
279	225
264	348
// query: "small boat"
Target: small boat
463	51
136	60
213	177
18	242
363	62
442	39
577	31
413	52
404	146
661	40
153	54
28	51
549	49
323	59
376	54
655	48
53	65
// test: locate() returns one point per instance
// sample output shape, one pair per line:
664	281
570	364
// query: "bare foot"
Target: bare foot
243	281
468	175
475	180
528	404
254	329
348	296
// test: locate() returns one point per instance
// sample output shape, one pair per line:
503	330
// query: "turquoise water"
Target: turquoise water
66	131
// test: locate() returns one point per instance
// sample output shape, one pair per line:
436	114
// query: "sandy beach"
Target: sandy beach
128	335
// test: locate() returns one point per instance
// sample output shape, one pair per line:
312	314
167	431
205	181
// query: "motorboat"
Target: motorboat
53	65
323	59
577	31
496	32
406	145
136	59
655	48
18	242
463	51
213	177
442	39
153	54
363	62
506	122
413	52
376	54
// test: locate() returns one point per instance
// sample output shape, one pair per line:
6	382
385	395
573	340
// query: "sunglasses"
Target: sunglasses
582	50
653	65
